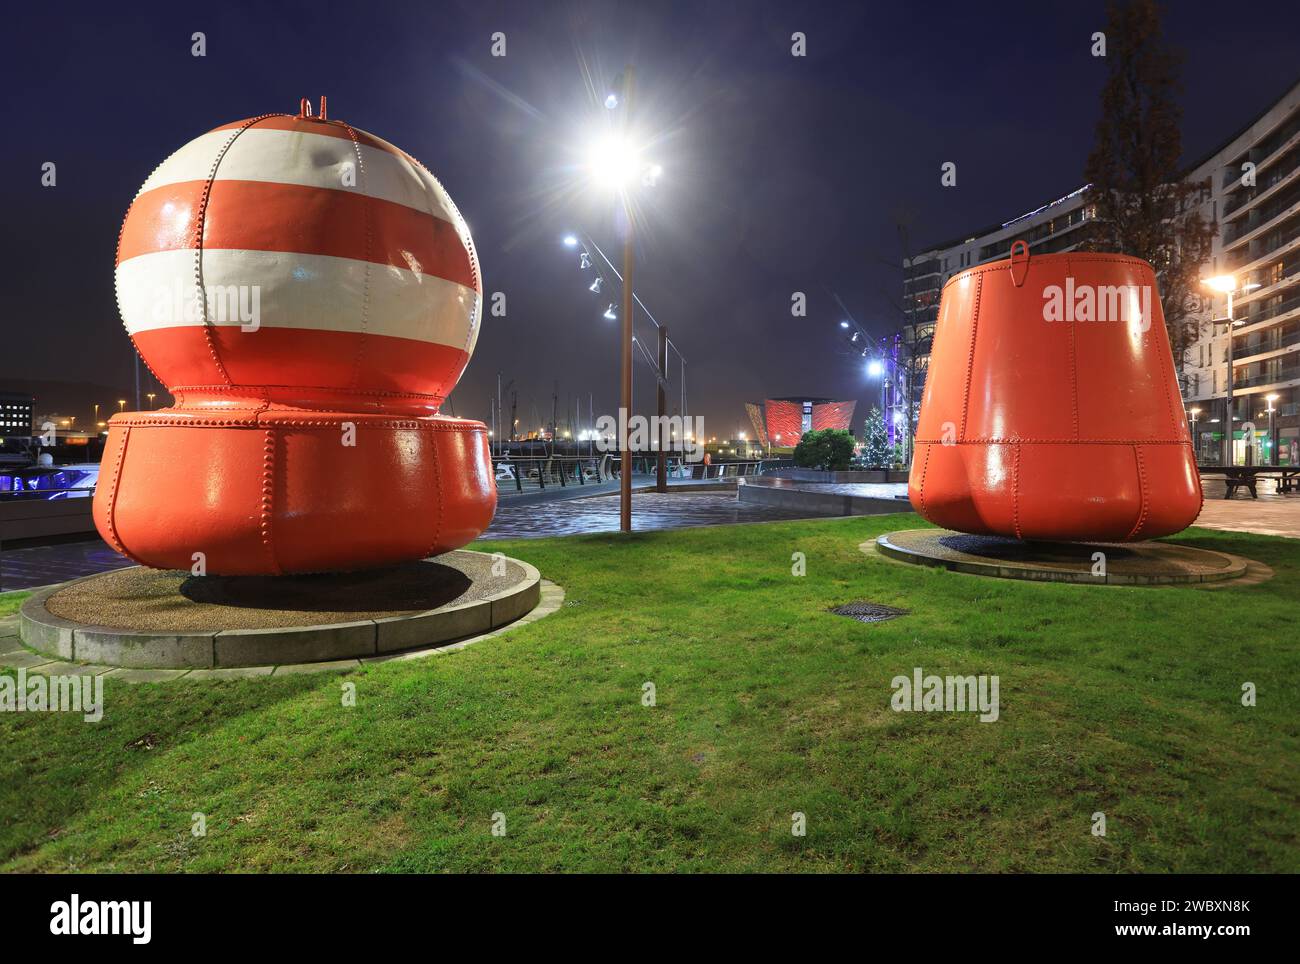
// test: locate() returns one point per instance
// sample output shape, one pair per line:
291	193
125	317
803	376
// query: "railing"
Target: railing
1280	374
1272	311
519	472
536	472
1256	345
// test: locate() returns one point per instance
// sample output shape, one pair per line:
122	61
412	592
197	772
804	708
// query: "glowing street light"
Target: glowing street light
875	368
612	160
570	241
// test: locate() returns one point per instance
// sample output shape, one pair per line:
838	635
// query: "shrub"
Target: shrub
830	449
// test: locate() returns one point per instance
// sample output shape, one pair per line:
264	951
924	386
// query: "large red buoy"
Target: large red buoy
310	295
1051	410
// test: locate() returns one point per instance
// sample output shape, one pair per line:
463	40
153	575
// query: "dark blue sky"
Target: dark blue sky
782	174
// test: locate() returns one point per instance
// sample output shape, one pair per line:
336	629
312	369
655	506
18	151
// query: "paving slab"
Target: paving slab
328	666
231	672
145	675
25	660
64	668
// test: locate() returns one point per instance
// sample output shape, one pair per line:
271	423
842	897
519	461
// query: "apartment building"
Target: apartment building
1254	197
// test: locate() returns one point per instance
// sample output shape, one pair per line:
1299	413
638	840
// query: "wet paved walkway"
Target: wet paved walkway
1270	514
33	566
650	511
41	565
869	490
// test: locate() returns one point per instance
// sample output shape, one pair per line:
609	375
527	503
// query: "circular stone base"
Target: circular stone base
155	619
1124	564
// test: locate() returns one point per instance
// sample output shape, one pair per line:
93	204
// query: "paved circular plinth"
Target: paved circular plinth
149	618
1125	564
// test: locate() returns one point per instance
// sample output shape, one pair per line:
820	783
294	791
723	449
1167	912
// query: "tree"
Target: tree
876	450
1144	207
828	448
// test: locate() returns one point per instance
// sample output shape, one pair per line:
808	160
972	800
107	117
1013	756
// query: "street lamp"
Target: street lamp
1194	412
1272	433
1227	284
614	162
121	405
151	396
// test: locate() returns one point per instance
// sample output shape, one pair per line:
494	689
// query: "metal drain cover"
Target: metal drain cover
868	612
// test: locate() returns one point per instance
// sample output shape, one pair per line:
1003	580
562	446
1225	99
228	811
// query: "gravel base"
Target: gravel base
153	600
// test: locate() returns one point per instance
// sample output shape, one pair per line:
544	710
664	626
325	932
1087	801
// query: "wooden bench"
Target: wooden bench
1247	476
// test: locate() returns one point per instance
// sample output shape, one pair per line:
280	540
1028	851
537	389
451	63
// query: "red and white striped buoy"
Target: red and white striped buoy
310	295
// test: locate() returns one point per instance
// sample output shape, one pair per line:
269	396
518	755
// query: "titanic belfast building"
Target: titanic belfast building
781	422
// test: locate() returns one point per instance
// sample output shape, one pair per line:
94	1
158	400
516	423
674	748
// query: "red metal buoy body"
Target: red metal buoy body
310	295
1051	409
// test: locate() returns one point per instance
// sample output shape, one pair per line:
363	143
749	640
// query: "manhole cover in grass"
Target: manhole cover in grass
868	612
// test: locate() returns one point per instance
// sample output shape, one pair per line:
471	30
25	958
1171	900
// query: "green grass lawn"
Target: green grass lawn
10	601
1125	701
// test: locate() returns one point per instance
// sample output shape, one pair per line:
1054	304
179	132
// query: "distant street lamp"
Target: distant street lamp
1272	429
121	405
1194	412
1227	284
150	396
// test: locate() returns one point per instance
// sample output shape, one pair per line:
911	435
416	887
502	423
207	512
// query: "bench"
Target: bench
1246	476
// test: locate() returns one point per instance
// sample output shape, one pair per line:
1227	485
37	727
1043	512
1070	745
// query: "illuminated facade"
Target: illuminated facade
781	422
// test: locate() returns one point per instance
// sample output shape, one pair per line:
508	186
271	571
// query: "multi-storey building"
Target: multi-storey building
1254	197
16	414
1052	228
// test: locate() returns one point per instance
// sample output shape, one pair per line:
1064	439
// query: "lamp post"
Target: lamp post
1273	434
1227	284
616	162
1196	455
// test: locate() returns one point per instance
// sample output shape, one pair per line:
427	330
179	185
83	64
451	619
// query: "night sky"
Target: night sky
782	174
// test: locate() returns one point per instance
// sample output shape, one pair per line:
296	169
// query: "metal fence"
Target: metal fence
536	472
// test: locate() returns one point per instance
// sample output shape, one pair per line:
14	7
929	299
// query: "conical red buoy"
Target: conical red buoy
1051	409
310	295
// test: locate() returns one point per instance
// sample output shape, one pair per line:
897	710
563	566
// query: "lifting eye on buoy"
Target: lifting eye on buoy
304	109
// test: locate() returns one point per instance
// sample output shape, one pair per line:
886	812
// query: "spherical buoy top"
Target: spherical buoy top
288	250
310	295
